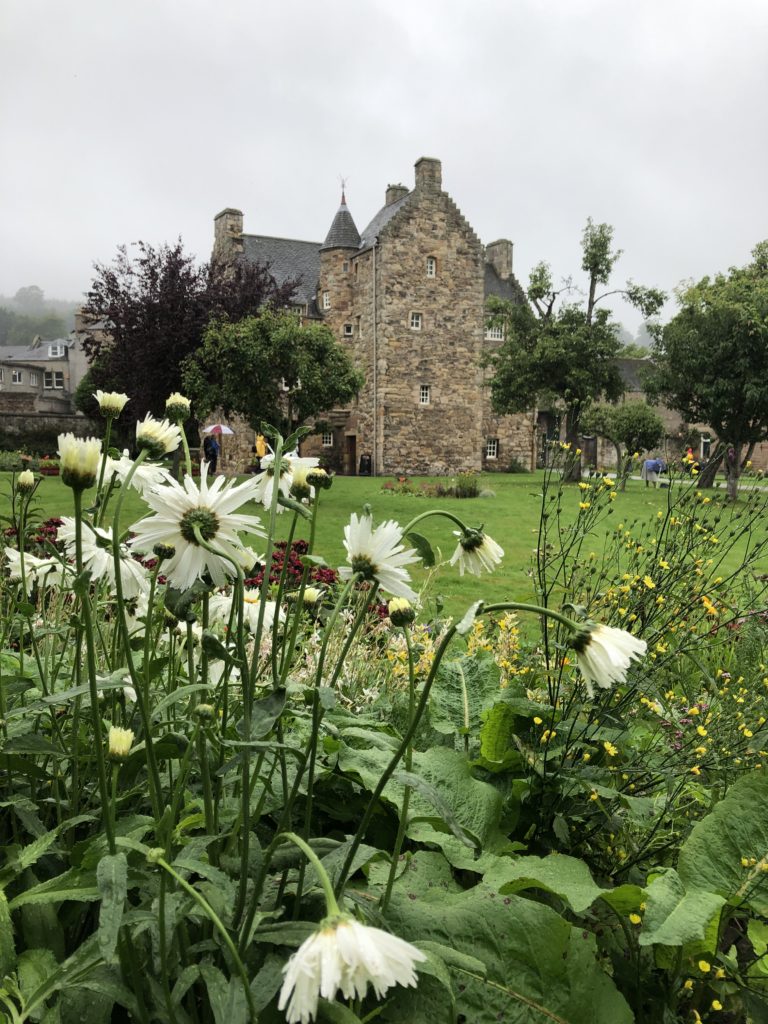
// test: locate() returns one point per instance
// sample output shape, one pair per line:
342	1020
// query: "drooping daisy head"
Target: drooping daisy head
604	654
79	458
142	478
401	611
188	513
177	407
281	476
347	956
99	559
378	555
111	403
158	437
476	551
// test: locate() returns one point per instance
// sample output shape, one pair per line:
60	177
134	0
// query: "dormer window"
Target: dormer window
326	300
431	266
55	351
415	322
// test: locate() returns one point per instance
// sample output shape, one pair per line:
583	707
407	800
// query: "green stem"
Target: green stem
332	907
100	503
217	924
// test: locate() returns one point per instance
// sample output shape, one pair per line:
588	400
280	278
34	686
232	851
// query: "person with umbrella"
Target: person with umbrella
211	449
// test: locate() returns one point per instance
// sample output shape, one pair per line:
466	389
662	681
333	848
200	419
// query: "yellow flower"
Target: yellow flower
537	720
716	1004
688	984
583	504
547	735
649	582
609	748
593	795
701	730
696	770
705	966
635	919
663	564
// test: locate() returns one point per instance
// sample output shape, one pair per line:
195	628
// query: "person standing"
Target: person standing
211	451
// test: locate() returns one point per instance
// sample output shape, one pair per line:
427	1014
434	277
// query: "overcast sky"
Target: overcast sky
134	120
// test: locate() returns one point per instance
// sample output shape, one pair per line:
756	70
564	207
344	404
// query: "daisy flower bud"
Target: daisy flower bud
111	403
158	437
312	596
319	478
177	407
401	611
80	458
120	741
25	481
300	487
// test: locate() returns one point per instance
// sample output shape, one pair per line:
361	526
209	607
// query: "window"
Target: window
54	351
53	379
431	266
17	377
298	310
357	267
424	394
345	267
326	300
2	375
415	321
33	378
492	448
327	439
348	330
494	333
706	446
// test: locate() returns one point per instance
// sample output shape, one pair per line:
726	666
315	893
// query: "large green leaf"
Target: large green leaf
537	968
736	830
675	917
464	688
7	945
566	876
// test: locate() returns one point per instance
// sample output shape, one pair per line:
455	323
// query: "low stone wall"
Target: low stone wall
39	432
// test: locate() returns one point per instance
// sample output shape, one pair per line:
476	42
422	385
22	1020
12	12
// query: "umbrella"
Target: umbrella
218	428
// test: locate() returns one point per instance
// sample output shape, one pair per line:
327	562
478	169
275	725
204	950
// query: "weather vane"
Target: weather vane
343	181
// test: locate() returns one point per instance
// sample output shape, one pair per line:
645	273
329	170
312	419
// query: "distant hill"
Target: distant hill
28	313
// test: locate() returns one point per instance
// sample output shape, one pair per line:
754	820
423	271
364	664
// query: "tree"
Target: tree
270	368
563	354
711	361
149	311
630	426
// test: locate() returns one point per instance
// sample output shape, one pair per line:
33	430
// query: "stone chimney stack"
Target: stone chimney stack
393	193
228	233
499	255
429	174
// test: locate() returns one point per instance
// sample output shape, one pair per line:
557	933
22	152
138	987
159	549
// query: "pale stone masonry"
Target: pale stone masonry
408	297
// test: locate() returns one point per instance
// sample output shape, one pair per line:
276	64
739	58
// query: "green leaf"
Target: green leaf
35	968
225	995
536	968
674	917
180	602
215	649
737	828
567	877
432	795
180	693
7	945
72	885
266	711
112	880
464	689
423	548
336	1013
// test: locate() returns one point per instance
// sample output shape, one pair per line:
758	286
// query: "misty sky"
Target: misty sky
136	120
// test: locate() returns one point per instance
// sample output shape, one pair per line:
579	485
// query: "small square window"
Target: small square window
492	448
494	333
431	266
348	330
415	321
327	439
424	394
17	377
326	300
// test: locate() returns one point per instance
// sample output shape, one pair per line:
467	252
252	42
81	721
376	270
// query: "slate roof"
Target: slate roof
385	214
32	353
343	233
287	259
502	289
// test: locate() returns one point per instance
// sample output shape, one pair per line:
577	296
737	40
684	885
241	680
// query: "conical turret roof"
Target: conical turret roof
342	234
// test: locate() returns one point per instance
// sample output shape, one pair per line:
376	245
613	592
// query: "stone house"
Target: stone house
407	296
41	378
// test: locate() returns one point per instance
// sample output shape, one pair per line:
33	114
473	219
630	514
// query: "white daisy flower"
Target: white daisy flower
98	558
111	403
159	437
120	742
290	465
476	551
147	475
177	407
79	459
378	555
36	570
220	609
25	481
604	654
179	509
344	955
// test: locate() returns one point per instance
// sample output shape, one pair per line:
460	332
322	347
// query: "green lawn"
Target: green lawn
511	517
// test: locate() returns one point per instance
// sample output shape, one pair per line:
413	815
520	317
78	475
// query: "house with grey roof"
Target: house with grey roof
41	378
408	296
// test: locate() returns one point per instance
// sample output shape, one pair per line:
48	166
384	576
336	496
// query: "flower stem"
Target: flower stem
332	906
